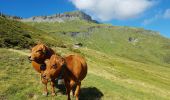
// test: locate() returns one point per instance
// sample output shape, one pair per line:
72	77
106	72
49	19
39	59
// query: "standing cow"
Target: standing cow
39	54
73	68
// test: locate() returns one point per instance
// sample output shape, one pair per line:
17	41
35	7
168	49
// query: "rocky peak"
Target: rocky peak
75	15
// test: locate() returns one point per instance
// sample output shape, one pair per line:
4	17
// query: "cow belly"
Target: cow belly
78	69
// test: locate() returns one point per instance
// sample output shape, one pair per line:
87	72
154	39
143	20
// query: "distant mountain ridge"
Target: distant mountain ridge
10	16
67	16
133	43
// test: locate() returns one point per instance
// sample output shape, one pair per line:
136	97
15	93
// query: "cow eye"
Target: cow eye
55	66
38	50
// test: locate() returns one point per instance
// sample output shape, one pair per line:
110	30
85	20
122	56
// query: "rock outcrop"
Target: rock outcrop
61	17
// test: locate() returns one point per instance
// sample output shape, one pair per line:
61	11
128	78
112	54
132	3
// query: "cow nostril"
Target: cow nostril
44	76
29	58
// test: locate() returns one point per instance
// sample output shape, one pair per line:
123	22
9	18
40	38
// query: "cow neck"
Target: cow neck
40	62
61	74
48	54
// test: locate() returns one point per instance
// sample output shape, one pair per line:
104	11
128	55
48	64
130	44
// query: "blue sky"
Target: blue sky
148	14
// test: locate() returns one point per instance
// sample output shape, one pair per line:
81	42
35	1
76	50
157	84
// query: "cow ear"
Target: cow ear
44	49
47	61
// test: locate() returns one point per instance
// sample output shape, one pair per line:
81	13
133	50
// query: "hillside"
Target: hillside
15	34
133	43
124	63
108	78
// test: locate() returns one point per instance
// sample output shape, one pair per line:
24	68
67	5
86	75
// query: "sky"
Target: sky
148	14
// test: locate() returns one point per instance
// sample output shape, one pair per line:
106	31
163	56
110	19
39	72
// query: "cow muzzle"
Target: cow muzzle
30	59
44	76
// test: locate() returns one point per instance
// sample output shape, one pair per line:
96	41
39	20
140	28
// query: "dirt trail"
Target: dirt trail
19	51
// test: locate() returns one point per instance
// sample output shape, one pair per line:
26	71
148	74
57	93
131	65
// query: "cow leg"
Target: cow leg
73	91
68	90
69	86
52	88
77	92
72	86
45	91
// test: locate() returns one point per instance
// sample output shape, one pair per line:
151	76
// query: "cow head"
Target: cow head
54	67
38	53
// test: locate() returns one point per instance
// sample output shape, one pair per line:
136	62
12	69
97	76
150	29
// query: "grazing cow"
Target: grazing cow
73	69
39	54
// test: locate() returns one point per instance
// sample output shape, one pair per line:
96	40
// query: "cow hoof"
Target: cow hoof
53	94
45	93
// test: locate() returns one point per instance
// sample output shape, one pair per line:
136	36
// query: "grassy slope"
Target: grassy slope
19	35
117	69
150	48
108	77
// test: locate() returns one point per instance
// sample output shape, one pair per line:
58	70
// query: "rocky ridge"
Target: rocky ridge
68	16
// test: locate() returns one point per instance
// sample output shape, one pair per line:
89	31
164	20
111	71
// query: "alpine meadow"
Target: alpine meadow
124	63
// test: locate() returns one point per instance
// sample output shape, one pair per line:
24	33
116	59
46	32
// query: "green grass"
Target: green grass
113	40
109	77
15	34
117	69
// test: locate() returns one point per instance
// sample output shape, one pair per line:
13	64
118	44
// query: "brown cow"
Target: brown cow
73	68
39	54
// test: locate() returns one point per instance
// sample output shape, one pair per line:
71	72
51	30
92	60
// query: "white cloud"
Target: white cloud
113	9
167	14
158	16
149	21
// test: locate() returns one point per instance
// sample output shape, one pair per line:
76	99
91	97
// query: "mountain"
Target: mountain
10	17
133	43
15	34
76	15
123	62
